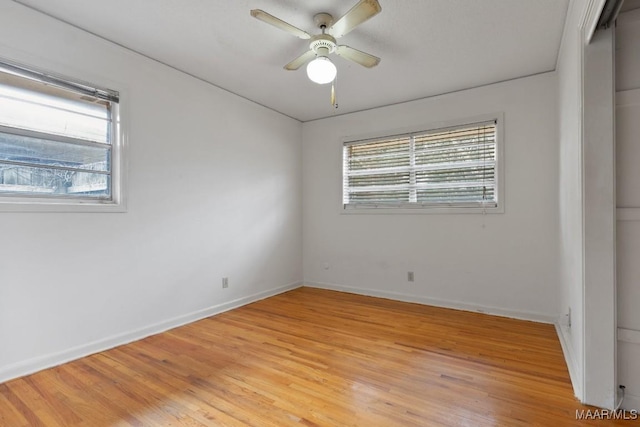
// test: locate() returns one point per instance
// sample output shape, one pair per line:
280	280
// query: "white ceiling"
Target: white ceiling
428	47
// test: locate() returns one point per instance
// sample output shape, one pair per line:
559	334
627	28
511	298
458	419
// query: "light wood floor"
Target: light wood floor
314	358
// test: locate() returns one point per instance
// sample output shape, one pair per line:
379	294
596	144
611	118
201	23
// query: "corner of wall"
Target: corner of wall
564	335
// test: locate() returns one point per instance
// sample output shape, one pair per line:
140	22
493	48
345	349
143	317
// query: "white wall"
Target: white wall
628	203
501	263
214	190
569	71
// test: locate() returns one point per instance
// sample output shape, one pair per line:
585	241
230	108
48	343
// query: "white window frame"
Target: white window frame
117	201
406	208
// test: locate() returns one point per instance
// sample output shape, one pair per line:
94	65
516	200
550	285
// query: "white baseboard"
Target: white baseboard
457	305
631	402
628	342
570	358
47	361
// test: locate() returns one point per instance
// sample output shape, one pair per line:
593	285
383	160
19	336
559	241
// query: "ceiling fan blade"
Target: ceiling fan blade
300	60
364	10
279	23
358	56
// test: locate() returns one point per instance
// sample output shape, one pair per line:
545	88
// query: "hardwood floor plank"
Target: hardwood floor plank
54	401
10	414
19	405
313	357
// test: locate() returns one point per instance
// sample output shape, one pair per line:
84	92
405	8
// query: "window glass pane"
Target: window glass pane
22	180
459	194
56	139
458	145
379	179
455	175
35	151
380	197
376	155
28	109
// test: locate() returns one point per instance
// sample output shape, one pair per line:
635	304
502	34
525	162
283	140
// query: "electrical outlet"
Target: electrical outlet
225	282
410	276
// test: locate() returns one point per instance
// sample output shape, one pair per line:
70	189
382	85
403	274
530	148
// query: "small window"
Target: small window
58	140
455	167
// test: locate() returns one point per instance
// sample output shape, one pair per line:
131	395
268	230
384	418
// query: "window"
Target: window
447	168
59	141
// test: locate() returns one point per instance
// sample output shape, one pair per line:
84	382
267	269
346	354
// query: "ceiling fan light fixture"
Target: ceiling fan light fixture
321	70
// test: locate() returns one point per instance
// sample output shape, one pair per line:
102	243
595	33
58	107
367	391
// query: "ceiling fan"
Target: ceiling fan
321	70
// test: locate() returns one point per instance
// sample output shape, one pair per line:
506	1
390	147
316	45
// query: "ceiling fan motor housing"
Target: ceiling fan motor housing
323	44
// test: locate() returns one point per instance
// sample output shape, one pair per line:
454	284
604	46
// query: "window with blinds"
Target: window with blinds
57	138
452	167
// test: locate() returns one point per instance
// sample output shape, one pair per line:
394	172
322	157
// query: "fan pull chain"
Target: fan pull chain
334	100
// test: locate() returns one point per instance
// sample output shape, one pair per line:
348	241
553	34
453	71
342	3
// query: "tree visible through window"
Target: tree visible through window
56	137
452	167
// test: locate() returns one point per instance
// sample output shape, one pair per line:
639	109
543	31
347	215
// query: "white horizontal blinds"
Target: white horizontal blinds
27	104
446	167
53	81
378	172
55	137
457	166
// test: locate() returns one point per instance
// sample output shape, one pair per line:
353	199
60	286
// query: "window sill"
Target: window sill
45	205
445	210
